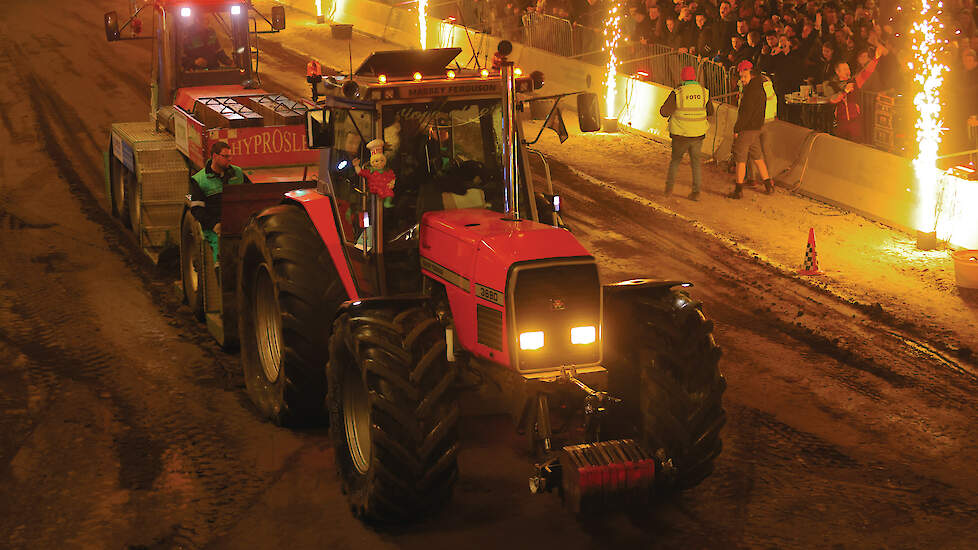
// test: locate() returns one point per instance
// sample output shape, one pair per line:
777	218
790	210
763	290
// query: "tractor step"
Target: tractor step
610	475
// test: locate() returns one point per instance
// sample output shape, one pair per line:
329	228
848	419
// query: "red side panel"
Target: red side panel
266	145
319	207
187	96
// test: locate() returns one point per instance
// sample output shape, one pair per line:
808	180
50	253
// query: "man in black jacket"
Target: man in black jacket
747	129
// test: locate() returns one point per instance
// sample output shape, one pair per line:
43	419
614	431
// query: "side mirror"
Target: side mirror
111	26
278	18
588	112
319	129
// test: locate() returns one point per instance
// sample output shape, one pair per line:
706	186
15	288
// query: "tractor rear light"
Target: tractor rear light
583	335
235	10
451	75
531	340
417	77
382	79
485	73
185	12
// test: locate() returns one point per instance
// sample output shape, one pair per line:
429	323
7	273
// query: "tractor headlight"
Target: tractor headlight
583	335
531	340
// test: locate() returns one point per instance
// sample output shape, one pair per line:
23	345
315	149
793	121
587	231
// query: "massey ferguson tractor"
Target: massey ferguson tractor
396	263
464	287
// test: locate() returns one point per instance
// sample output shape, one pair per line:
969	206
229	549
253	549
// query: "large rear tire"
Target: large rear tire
192	265
393	414
662	359
288	293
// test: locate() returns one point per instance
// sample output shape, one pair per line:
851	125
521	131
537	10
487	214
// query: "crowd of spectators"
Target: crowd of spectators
794	42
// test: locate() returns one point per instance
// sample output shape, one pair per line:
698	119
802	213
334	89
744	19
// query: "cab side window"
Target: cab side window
353	130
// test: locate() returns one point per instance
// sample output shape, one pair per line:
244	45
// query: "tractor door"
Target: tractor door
356	210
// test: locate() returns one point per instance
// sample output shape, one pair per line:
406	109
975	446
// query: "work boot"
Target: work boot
737	193
768	186
668	190
694	196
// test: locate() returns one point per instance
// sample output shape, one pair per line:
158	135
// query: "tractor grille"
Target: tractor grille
490	323
554	298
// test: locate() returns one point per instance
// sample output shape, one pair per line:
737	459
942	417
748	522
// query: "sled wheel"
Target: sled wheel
192	265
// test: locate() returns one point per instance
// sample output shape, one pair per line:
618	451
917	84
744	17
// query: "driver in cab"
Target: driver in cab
201	48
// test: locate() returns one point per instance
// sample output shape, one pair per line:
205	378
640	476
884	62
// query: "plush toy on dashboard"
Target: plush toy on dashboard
380	179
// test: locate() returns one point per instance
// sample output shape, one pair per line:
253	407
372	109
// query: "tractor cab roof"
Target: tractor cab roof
404	63
207	5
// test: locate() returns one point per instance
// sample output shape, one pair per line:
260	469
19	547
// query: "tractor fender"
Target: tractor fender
642	286
357	307
320	210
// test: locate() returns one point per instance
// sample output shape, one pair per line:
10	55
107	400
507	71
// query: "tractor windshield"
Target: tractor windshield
447	153
213	42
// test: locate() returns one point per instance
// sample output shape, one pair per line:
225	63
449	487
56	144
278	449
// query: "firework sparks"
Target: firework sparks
928	75
423	22
612	33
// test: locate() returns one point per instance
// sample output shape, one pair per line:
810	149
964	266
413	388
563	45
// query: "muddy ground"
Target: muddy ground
122	425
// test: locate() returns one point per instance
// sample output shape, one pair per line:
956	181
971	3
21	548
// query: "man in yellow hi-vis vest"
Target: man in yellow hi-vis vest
687	109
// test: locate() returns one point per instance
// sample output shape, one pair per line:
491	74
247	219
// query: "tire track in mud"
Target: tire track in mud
47	323
53	331
765	455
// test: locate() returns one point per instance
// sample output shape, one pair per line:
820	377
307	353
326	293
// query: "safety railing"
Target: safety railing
548	33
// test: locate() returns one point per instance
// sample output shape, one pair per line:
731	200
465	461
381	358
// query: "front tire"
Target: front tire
662	359
393	414
288	292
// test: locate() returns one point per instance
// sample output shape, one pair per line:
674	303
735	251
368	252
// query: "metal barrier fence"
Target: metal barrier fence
664	65
548	33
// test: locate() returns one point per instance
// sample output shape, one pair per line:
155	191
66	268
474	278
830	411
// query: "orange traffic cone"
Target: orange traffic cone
811	256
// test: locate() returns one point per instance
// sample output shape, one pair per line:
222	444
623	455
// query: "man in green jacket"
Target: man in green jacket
206	187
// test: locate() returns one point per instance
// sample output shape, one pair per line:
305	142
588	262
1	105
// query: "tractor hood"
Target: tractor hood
479	246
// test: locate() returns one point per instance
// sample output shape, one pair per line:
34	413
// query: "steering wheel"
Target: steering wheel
406	236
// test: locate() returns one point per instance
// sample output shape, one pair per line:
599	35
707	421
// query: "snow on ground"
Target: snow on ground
862	261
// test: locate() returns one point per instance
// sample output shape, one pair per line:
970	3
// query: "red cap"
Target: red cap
688	73
744	66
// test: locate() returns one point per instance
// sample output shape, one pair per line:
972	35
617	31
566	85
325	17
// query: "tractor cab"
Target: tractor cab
197	43
444	142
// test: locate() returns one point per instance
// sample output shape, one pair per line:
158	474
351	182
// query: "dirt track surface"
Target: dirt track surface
123	426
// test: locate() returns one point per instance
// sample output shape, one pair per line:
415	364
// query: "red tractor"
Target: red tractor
387	313
464	283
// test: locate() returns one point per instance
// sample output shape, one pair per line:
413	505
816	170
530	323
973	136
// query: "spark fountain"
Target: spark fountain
612	33
423	22
928	75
